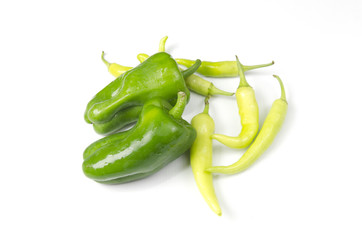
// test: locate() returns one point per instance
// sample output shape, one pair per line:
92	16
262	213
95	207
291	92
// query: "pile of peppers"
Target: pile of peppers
152	96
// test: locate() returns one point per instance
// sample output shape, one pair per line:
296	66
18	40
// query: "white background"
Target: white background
306	186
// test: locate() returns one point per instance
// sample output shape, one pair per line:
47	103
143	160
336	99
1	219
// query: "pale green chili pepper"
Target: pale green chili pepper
264	139
219	69
114	68
212	69
249	114
201	157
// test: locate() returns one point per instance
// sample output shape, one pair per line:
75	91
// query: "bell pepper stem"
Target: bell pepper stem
191	70
105	61
180	105
243	82
162	45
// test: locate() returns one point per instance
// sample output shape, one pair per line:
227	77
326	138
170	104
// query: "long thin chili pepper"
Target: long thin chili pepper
213	69
248	111
271	127
114	68
219	69
201	157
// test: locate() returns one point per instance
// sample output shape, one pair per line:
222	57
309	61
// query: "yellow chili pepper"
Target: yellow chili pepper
219	69
201	157
271	127
114	68
248	111
195	83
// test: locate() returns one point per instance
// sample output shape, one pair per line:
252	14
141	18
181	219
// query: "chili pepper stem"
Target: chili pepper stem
243	82
191	70
104	60
282	97
162	45
180	105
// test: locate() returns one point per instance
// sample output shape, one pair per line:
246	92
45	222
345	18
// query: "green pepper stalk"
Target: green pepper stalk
264	139
159	137
201	156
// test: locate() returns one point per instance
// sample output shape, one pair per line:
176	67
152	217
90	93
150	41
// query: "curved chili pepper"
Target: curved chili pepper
114	68
249	114
270	129
201	157
195	83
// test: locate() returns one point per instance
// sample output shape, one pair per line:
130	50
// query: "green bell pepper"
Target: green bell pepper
120	120
159	137
158	76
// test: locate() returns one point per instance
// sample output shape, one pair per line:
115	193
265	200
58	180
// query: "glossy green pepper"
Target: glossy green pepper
120	120
158	76
159	137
